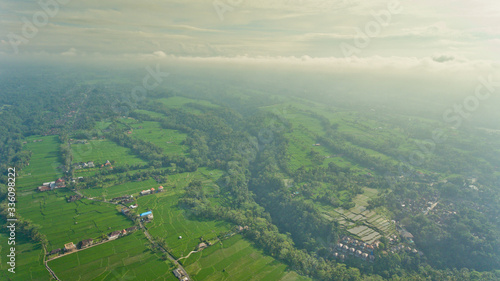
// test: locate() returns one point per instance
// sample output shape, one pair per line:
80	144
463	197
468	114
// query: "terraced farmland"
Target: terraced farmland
368	226
101	150
171	221
183	102
44	162
29	259
64	222
128	188
233	260
169	140
127	258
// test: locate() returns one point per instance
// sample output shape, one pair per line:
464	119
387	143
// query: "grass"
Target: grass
44	163
234	259
302	140
171	221
29	259
169	140
127	258
64	222
183	102
150	113
101	150
127	188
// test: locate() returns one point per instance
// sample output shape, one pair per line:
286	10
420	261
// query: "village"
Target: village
350	247
356	248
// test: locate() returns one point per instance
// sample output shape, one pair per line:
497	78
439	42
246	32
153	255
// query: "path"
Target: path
192	252
78	250
47	265
179	266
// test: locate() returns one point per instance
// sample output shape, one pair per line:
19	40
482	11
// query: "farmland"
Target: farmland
64	222
43	164
127	258
122	189
101	150
366	225
184	103
233	259
29	257
171	222
267	193
169	140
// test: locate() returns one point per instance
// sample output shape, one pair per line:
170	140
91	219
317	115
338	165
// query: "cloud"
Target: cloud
443	58
70	52
282	28
160	54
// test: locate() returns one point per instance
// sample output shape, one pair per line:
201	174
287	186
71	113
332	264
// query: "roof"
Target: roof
43	188
87	242
146	213
55	251
114	233
132	228
69	245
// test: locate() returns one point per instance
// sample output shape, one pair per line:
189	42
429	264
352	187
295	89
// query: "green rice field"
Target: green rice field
127	258
101	150
64	222
234	259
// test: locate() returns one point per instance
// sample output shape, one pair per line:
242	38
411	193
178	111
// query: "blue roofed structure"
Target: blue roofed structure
146	213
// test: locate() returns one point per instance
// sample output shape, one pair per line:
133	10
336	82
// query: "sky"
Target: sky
445	35
423	47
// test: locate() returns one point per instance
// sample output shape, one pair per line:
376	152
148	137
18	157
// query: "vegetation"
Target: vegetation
297	176
125	258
